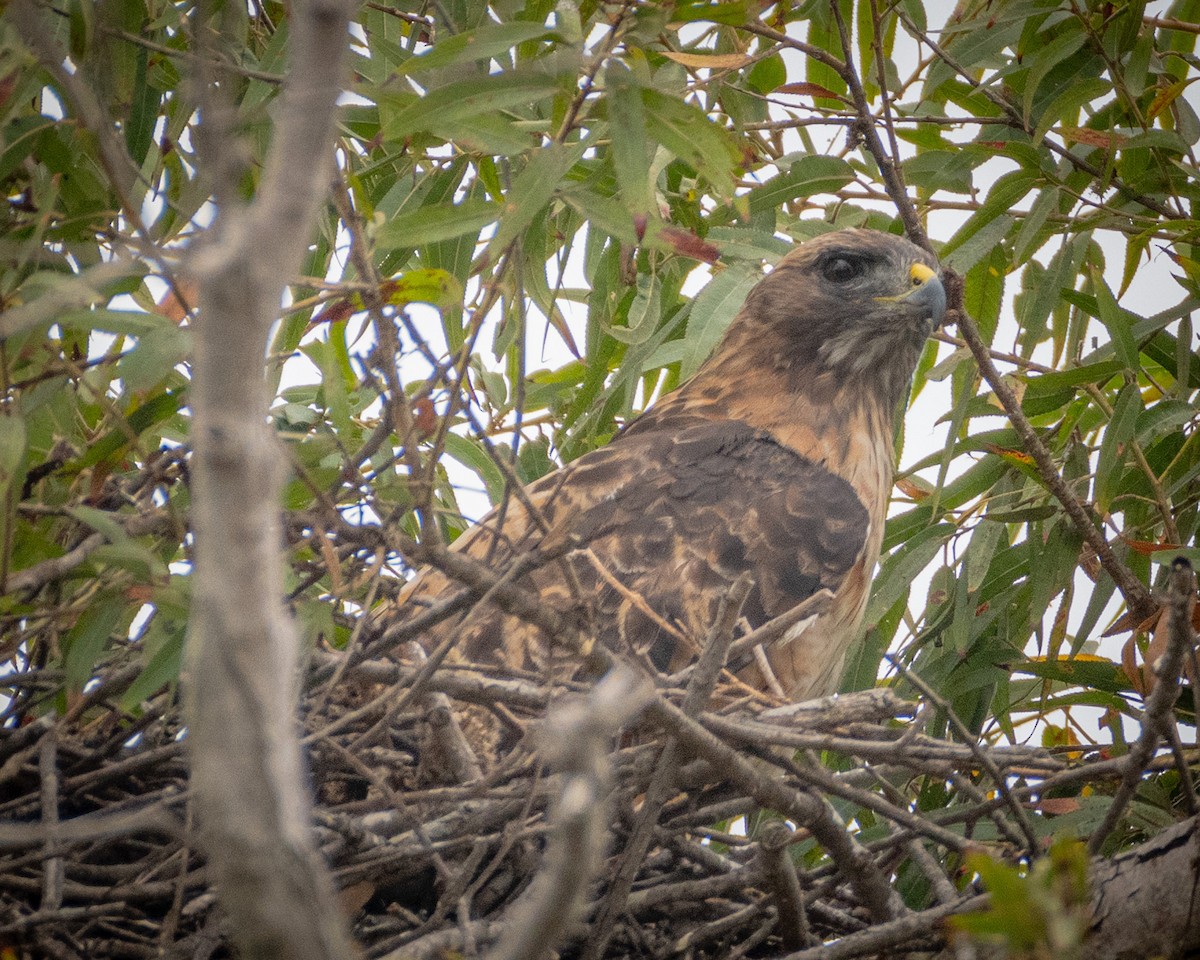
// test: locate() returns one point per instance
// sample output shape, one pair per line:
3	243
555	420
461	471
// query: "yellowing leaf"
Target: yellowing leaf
1167	95
712	61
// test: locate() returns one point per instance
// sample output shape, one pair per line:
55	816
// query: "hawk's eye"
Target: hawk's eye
843	269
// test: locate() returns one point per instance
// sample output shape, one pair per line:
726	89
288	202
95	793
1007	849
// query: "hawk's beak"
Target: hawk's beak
926	290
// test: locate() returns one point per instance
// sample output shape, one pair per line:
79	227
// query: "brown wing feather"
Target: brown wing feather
676	509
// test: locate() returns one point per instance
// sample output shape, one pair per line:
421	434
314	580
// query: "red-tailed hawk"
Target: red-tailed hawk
775	460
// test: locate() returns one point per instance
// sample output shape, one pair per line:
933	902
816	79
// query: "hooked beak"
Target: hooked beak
926	291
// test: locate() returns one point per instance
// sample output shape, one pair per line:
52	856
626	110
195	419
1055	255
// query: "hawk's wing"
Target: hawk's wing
674	512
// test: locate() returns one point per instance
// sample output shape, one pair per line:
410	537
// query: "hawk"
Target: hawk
774	461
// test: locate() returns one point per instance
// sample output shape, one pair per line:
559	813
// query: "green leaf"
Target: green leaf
1110	463
984	540
474	457
81	21
163	651
1049	56
644	312
767	75
130	322
628	143
1064	265
473	45
434	286
102	521
1069	101
901	567
12	448
1094	673
487	133
431	224
533	460
948	170
154	359
688	11
809	175
1118	322
690	134
1049	383
152	412
533	189
87	640
143	112
713	310
409	114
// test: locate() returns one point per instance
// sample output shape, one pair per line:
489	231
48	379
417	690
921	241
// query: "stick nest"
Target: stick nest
739	829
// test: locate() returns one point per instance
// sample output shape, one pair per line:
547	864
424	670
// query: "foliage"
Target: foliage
1042	912
585	192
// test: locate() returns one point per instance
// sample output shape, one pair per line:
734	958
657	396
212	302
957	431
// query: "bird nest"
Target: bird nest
680	816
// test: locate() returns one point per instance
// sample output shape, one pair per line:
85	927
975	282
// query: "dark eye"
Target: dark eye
843	269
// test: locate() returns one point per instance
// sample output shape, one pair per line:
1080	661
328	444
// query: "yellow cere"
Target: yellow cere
920	273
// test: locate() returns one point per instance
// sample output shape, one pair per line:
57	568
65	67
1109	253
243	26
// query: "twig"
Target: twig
1032	846
1157	719
817	776
879	938
690	941
52	862
889	167
90	827
47	571
769	633
779	877
871	887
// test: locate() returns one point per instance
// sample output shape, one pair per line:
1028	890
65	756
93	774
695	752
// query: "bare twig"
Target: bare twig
52	863
877	939
779	877
806	809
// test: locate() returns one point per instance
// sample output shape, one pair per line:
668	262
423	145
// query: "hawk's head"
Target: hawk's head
854	303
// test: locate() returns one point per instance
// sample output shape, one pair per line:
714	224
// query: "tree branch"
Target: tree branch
242	648
1157	719
1137	596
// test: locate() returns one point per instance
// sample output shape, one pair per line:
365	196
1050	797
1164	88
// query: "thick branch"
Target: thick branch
251	798
1146	901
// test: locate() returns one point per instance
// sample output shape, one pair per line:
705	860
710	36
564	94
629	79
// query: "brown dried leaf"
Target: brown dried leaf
806	89
687	243
171	306
911	489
